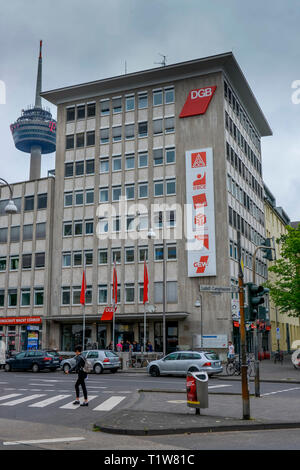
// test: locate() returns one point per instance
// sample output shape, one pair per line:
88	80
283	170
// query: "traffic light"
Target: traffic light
255	299
268	250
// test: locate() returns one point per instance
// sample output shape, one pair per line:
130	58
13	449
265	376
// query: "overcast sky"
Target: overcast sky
91	39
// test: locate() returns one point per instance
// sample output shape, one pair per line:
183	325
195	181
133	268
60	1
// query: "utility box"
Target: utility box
197	390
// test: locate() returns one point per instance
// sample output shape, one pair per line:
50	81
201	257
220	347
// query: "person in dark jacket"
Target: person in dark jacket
82	375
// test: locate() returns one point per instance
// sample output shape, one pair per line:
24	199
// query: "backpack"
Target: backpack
87	366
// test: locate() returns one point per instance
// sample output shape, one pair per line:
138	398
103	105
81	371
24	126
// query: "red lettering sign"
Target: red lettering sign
19	320
202	264
197	101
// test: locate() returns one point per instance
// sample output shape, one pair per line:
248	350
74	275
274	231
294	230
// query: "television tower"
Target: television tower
34	131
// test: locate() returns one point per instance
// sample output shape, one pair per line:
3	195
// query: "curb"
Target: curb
203	429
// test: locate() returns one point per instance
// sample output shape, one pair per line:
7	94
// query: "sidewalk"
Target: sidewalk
155	412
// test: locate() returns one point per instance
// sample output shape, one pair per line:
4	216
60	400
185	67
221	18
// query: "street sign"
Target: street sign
277	333
221	289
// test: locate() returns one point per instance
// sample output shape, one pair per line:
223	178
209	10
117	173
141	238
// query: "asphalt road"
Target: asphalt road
39	406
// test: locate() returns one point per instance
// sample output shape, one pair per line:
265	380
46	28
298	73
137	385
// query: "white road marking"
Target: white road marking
280	391
219	386
70	406
49	401
21	400
176	401
12	395
109	404
43	385
44	441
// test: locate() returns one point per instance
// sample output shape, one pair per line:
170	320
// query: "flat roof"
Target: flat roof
225	63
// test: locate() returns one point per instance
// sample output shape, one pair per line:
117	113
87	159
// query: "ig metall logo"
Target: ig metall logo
2	92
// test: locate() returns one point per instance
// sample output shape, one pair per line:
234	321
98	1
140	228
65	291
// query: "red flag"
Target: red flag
146	282
83	289
115	287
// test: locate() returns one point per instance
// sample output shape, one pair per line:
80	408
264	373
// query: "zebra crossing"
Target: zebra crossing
60	401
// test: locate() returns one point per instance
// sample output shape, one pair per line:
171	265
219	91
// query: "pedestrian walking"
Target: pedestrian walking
82	375
149	347
110	346
120	346
231	352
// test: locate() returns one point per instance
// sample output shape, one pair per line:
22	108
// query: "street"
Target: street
38	407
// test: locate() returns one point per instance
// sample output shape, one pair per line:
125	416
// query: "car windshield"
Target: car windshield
212	356
110	354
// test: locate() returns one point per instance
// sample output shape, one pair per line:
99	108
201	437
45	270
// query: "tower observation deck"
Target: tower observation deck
34	131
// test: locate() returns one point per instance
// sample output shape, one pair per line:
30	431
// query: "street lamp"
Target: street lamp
151	234
10	208
198	304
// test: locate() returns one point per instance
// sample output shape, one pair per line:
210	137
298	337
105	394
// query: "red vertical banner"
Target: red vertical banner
146	282
83	289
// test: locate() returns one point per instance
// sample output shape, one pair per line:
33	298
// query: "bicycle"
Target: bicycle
234	367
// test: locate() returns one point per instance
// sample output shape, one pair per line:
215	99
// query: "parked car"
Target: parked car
100	359
32	360
55	354
182	362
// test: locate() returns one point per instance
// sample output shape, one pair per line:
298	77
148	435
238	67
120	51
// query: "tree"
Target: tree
285	286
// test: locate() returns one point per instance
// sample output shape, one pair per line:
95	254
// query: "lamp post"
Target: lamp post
151	234
10	208
198	304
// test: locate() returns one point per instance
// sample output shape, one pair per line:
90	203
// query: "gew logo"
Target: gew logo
2	92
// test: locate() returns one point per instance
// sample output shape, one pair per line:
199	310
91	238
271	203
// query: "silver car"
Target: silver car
101	360
181	362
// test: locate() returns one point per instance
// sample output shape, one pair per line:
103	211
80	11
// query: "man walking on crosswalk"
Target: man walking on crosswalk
82	375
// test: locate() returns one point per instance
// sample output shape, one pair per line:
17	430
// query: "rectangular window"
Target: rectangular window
65	295
158	157
38	297
104	165
29	203
143	222
171	218
3	235
78	198
90	138
70	114
67	229
171	187
172	291
116	193
171	252
12	297
158	219
158	252
80	140
103	225
88	258
117	163
117	105
1	298
103	256
116	224
129	255
42	201
89	227
69	169
69	142
143	190
129	162
81	111
40	260
129	103
3	264
91	110
25	297
143	160
157	98
102	294
143	100
143	129
26	261
169	125
117	133
40	230
15	234
103	195
79	168
105	107
14	263
129	293
129	191
169	95
130	222
170	155
90	167
77	228
158	188
89	196
66	259
77	258
157	126
143	253
104	136
129	131
76	291
116	255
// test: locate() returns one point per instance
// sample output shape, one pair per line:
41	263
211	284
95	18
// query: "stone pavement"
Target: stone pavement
155	412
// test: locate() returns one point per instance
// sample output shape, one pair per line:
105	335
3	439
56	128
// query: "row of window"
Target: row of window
40	200
116	133
242	115
237	222
159	157
239	139
117	104
243	171
71	295
25	297
27	231
78	228
261	268
24	262
244	199
78	258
